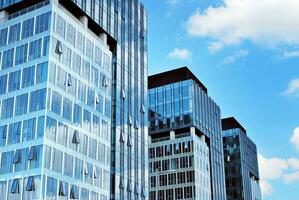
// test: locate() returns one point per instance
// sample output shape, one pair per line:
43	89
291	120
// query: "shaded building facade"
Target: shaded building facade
185	147
241	165
73	95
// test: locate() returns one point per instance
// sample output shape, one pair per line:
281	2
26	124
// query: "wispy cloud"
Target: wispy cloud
214	47
290	54
259	21
295	140
293	88
178	53
277	168
232	58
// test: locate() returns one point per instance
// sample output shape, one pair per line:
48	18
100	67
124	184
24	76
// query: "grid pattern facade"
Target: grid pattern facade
241	166
179	167
55	107
125	23
184	104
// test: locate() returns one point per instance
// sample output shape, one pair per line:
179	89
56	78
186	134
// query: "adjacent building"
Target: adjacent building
73	99
185	146
241	165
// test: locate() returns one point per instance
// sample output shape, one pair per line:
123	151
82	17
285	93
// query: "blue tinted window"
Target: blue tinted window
87	120
60	26
27	28
60	78
35	49
14	81
37	100
21	104
51	128
42	22
99	103
37	157
3	135
51	189
29	130
81	91
41	72
3	84
86	70
14	33
46	46
28	76
7	108
68	165
77	118
21	54
79	169
107	108
56	103
71	34
77	63
40	126
7	59
3	37
67	109
90	97
14	133
6	162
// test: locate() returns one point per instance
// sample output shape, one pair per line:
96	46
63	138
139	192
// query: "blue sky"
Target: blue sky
247	54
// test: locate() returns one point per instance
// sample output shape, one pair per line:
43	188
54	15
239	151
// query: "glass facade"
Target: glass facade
183	104
241	165
73	81
179	167
55	107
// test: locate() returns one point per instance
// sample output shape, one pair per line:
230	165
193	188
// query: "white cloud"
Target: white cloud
291	54
180	54
293	90
235	56
267	21
295	137
215	46
291	177
274	169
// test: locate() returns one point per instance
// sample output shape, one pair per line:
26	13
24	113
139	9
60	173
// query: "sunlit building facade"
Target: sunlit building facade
185	147
241	164
73	98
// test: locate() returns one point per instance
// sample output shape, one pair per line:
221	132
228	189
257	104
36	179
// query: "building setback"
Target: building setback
241	165
185	147
73	99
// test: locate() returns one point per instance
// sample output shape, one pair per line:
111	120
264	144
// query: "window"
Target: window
63	133
14	81
76	63
74	192
30	184
89	49
57	160
51	129
46	46
21	104
15	187
3	135
42	23
68	165
56	103
98	56
80	42
29	129
21	54
60	26
71	34
14	33
66	56
67	109
81	91
87	120
92	148
99	103
7	108
3	84
90	97
86	70
40	126
14	133
107	108
28	76
95	76
35	49
41	72
63	189
78	169
7	58
3	37
51	189
27	28
61	78
3	185
96	125
179	193
37	100
77	117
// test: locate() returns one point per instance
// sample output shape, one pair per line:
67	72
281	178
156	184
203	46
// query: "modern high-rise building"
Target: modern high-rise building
185	146
241	164
73	99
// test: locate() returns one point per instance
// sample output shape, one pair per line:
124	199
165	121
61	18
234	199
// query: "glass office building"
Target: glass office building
241	165
73	93
185	129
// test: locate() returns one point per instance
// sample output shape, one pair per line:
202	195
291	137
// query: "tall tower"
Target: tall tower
185	147
73	98
241	164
